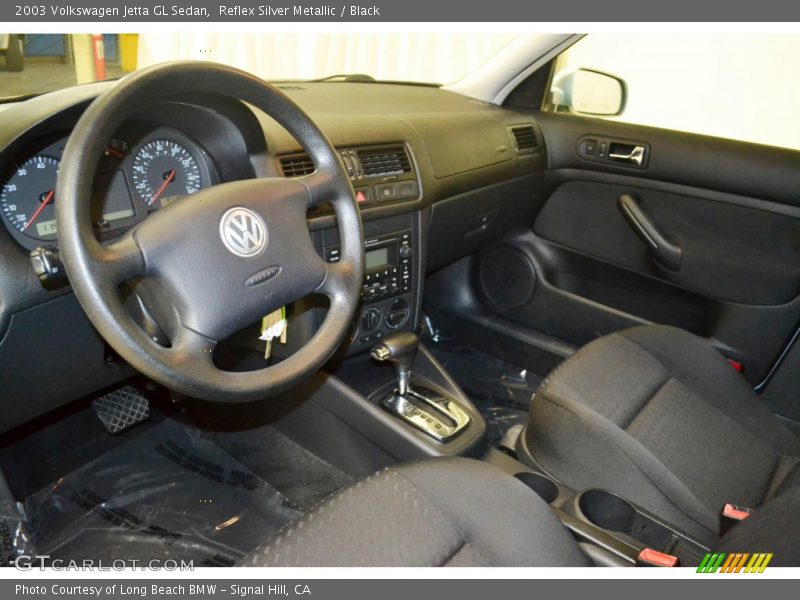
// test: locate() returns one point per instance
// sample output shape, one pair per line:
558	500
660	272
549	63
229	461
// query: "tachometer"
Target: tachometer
28	196
164	170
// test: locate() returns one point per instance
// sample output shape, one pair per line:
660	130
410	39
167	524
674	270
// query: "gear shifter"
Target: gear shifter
399	349
436	415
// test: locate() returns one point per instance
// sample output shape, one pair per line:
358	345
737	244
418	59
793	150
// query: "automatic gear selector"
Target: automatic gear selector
436	415
399	349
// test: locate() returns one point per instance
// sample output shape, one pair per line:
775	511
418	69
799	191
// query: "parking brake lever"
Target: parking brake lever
666	254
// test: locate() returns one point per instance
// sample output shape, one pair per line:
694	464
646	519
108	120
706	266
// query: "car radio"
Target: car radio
387	265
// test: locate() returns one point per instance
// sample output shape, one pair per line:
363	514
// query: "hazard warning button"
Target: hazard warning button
363	195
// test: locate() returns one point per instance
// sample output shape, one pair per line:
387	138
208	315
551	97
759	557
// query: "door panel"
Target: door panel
728	251
733	210
578	298
707	163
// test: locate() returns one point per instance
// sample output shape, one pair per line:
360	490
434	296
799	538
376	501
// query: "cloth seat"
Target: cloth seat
436	512
659	416
463	513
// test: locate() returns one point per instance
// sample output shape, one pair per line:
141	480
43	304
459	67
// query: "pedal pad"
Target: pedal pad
121	409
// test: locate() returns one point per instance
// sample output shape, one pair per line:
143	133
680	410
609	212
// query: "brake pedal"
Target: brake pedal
121	409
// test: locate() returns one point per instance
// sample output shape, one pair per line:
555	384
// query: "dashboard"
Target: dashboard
437	175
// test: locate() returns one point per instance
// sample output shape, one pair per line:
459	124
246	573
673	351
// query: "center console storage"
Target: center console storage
634	527
612	530
544	487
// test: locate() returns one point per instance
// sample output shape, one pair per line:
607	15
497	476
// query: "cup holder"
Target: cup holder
609	511
541	484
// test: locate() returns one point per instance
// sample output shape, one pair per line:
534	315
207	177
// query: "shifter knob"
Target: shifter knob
399	349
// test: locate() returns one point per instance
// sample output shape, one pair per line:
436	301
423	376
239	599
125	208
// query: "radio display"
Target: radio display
377	258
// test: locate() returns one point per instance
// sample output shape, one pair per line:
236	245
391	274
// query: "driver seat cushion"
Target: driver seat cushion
659	416
438	512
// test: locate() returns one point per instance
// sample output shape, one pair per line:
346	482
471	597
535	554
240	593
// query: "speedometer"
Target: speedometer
28	196
164	170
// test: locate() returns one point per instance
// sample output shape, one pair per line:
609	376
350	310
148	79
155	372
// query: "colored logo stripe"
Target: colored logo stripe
758	563
735	562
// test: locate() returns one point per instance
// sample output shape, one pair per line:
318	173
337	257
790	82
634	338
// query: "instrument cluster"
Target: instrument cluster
142	170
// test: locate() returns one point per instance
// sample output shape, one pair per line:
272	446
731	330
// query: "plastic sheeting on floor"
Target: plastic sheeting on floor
167	494
502	392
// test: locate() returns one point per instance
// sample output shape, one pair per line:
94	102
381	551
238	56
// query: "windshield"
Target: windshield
37	63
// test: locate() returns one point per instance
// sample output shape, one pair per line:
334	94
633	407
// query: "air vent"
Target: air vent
296	165
384	161
525	138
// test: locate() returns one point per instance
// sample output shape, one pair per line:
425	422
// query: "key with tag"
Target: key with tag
273	326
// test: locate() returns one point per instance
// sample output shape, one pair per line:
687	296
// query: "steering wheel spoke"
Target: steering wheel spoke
338	276
191	350
120	261
322	187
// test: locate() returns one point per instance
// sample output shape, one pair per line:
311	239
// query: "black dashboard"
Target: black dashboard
437	176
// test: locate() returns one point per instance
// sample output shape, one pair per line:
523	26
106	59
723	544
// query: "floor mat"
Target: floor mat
301	476
168	493
502	392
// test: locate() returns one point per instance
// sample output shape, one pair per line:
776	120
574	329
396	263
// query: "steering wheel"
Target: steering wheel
223	257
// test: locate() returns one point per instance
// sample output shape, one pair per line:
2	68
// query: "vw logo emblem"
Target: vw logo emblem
243	232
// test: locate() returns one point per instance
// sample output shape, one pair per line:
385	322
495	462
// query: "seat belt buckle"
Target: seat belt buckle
732	514
653	558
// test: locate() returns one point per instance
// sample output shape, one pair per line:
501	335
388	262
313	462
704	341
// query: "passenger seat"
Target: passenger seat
660	417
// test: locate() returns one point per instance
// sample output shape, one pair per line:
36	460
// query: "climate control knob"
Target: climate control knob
370	319
397	315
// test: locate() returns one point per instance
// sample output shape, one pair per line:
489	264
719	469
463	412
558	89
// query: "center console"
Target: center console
439	416
421	415
409	417
611	530
388	288
391	293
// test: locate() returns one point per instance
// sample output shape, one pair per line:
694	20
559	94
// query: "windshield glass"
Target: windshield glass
37	63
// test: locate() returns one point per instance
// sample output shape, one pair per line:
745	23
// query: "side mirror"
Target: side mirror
588	92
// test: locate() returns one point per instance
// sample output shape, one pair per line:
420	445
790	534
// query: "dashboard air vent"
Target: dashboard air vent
384	161
296	165
525	138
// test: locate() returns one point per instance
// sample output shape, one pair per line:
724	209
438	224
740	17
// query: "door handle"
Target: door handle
666	254
635	156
